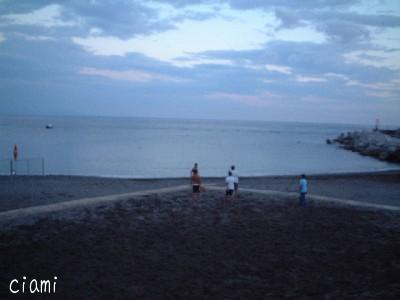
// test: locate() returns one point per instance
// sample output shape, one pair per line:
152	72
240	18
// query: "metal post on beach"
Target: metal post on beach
14	163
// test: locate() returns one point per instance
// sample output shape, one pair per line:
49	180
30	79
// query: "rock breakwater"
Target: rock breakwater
371	143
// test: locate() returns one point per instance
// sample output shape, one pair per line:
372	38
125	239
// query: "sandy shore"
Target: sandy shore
26	191
165	246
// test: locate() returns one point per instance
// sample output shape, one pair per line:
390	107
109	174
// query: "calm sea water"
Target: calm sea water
141	147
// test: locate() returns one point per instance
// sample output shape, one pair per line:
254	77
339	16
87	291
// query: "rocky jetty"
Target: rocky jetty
375	143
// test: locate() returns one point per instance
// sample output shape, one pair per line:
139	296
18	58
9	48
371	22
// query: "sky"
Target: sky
324	61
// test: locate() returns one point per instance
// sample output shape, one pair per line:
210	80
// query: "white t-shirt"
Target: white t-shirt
235	174
230	182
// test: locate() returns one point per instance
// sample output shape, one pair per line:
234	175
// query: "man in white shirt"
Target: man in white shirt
230	186
235	175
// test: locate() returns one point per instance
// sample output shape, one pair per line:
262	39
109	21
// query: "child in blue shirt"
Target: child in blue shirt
303	189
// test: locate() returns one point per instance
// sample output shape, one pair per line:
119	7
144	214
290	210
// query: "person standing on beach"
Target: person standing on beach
303	189
235	175
195	168
196	184
230	186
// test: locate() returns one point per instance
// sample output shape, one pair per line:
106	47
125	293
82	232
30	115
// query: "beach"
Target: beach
26	191
162	245
233	150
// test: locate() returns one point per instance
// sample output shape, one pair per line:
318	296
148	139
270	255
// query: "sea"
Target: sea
166	148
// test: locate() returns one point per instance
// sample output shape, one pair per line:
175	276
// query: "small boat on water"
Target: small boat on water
49	126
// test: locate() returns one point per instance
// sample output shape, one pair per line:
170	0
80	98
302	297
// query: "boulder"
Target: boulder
383	155
371	143
361	145
372	150
397	156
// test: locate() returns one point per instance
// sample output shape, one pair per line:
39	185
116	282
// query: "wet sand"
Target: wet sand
165	246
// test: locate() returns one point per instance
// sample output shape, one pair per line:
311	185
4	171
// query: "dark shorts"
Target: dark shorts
229	192
196	189
236	186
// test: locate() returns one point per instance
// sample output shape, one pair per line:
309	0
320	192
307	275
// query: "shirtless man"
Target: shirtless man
196	184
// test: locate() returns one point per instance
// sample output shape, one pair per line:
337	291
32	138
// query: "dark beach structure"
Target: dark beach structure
382	144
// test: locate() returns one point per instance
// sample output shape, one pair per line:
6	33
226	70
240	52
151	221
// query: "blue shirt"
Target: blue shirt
303	185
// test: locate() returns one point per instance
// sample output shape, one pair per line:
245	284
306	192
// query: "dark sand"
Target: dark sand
379	187
173	249
26	191
167	247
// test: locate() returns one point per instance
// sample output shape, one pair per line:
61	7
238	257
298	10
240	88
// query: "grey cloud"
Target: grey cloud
183	3
263	4
288	18
349	27
124	19
121	18
197	16
380	20
308	59
118	18
391	50
22	6
344	32
49	72
292	4
338	26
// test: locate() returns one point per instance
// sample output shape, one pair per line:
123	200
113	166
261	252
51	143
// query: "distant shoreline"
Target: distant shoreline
310	175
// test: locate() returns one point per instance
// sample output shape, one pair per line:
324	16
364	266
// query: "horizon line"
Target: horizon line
372	124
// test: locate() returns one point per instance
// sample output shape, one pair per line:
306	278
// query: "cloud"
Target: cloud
120	18
391	86
336	76
341	53
344	32
129	75
288	18
279	69
180	45
339	26
376	20
383	95
193	61
47	16
291	4
307	79
29	37
378	59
